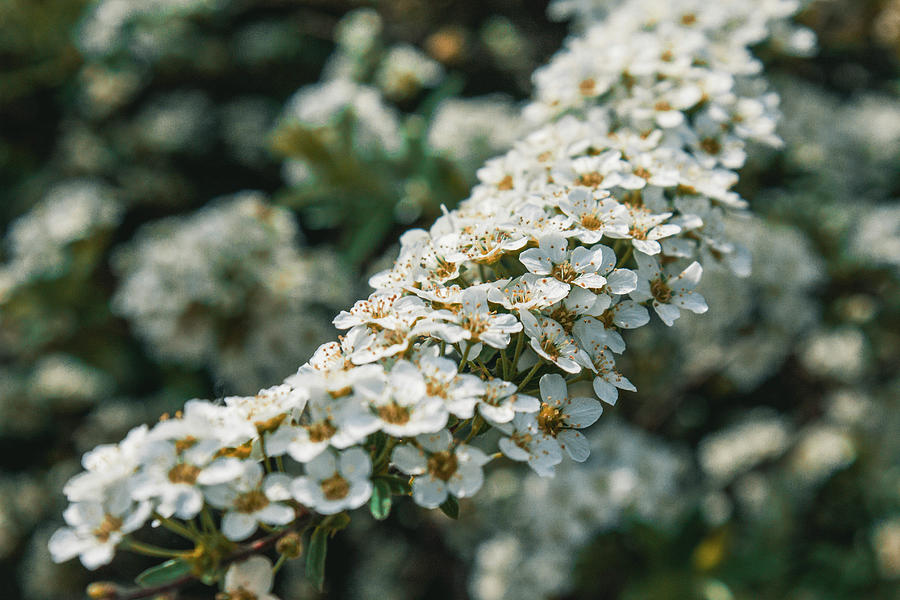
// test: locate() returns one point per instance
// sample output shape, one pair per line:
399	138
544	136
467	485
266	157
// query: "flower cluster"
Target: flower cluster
229	287
598	220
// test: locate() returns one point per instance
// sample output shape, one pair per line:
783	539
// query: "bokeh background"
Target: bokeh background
191	189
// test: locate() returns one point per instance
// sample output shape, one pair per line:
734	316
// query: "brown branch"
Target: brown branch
248	550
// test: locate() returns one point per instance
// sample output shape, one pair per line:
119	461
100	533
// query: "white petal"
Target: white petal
428	491
536	261
436	442
277	486
275	514
238	526
691	301
322	467
254	575
575	444
221	470
582	412
605	391
553	389
511	450
466	481
666	312
305	491
650	247
409	459
355	464
621	281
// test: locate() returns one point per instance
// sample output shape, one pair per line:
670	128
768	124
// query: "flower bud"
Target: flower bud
291	545
101	590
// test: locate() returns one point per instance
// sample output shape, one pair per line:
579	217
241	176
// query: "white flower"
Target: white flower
385	308
251	499
526	442
500	402
171	473
668	293
480	323
335	481
602	171
204	420
550	340
647	229
439	468
595	214
95	529
458	392
528	292
483	243
577	267
250	579
560	416
268	405
608	381
340	422
400	403
107	467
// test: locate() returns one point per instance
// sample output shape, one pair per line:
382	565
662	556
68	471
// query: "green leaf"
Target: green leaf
335	523
450	507
398	485
380	502
163	573
315	557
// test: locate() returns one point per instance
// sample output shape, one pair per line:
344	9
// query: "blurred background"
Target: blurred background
191	189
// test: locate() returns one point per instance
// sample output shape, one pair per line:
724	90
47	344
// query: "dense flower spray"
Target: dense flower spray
600	218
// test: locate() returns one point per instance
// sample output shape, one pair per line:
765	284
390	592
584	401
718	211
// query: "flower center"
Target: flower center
394	337
506	183
521	440
185	443
321	431
475	323
637	233
184	473
109	525
270	425
444	269
335	487
661	291
239	594
394	414
443	465
548	345
433	387
550	419
564	317
251	501
592	179
711	145
590	221
607	318
586	86
564	272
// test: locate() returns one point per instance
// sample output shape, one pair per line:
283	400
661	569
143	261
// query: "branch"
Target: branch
248	550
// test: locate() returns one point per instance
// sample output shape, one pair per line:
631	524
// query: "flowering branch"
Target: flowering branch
638	125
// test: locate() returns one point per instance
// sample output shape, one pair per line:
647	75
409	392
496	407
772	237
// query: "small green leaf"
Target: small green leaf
450	507
398	485
315	557
163	573
380	502
335	523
